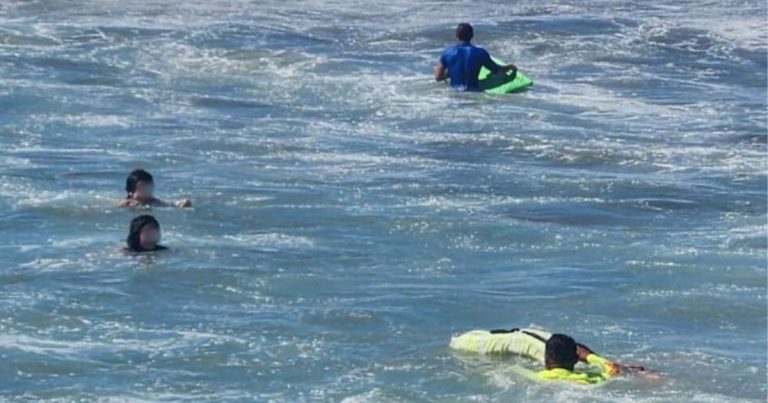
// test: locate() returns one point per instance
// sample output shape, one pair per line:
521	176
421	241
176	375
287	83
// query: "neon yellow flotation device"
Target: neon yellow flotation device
530	343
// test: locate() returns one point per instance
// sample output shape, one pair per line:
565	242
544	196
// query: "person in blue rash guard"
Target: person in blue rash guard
461	63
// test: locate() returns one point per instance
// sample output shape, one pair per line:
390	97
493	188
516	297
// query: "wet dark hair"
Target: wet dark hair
464	32
134	233
133	179
561	351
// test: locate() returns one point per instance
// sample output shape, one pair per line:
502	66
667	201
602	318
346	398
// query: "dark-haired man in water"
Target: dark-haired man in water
558	352
462	62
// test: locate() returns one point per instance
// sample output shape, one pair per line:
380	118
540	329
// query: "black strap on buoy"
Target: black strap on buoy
517	329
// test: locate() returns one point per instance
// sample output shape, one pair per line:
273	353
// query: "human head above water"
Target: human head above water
144	234
139	184
560	352
464	32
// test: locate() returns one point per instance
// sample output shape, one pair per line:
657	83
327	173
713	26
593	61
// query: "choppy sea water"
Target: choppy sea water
351	215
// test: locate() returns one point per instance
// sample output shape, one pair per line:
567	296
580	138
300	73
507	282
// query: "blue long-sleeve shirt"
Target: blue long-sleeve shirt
463	62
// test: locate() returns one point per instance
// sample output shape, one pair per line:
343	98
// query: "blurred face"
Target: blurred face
144	190
149	237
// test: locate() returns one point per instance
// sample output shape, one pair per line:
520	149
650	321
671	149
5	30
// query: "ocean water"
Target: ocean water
351	214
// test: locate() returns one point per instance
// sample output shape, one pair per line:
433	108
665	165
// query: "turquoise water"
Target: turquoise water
351	215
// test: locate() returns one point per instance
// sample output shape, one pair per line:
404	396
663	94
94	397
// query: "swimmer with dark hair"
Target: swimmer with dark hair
461	63
558	352
140	187
144	235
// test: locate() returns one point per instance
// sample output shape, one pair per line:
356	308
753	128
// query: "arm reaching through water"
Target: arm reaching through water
609	368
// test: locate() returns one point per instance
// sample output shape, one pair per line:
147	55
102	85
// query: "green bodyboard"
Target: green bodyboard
502	83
